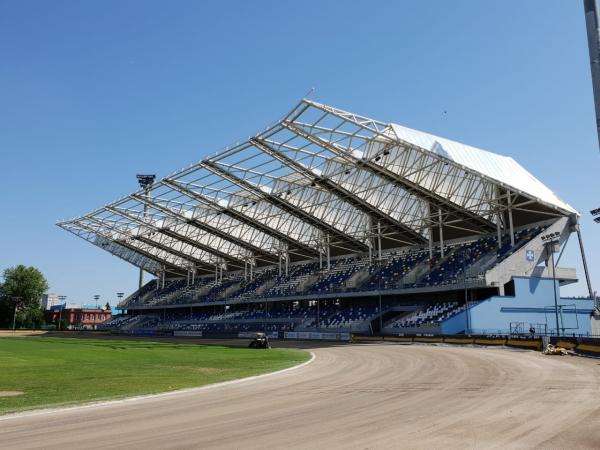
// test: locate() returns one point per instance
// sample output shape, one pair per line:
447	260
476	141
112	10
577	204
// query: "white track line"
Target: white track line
40	412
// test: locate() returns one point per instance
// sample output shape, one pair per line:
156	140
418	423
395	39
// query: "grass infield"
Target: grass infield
45	371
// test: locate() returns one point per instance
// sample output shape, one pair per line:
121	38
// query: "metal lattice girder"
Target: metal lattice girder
181	240
184	234
245	216
284	205
167	260
454	212
322	175
124	253
218	229
179	251
409	235
471	190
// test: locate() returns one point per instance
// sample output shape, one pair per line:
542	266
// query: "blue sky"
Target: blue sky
92	93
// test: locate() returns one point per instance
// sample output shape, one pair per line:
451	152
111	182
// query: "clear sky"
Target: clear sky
92	93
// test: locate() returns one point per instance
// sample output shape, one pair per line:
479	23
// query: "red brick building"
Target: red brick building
79	318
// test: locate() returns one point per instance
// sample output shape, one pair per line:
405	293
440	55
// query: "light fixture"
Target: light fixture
145	181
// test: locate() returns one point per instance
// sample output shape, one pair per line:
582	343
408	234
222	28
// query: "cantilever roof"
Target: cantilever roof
503	169
320	178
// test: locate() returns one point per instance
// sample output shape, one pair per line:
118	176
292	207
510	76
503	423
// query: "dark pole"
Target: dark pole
591	22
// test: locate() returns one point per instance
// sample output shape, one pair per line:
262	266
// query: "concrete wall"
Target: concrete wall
517	264
455	324
533	303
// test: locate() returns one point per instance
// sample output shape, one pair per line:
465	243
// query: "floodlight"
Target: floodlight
145	180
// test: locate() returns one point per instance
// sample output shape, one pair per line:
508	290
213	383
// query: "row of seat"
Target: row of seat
391	272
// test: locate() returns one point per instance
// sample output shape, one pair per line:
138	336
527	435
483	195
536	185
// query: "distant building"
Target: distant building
50	300
79	318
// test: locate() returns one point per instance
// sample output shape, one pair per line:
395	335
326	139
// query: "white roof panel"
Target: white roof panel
500	168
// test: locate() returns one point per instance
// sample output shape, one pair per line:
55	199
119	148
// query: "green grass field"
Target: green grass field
60	371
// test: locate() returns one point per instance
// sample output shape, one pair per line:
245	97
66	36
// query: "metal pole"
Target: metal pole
379	240
441	231
380	308
328	255
585	267
466	291
141	280
499	231
593	35
510	220
550	244
15	318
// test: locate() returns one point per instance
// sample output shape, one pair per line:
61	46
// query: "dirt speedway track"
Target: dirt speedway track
359	397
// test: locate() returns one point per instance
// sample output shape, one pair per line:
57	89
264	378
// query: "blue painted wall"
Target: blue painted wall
533	303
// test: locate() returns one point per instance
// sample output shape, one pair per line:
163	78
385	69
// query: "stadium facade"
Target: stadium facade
328	221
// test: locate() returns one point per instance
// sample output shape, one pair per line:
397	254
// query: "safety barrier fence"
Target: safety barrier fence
291	335
578	345
520	342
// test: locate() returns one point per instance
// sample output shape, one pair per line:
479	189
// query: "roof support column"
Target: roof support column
370	238
499	230
510	221
498	217
328	255
279	262
320	245
585	268
441	230
430	228
287	262
379	240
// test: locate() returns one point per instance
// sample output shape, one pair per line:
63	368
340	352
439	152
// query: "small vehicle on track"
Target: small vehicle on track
261	340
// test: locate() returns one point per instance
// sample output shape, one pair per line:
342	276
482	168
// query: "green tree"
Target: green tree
22	287
107	306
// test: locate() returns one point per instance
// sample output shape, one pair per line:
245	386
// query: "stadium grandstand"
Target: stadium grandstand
331	222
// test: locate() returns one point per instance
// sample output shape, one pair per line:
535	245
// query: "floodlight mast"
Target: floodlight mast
146	182
593	34
551	243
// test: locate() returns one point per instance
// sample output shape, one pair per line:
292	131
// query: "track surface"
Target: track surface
358	397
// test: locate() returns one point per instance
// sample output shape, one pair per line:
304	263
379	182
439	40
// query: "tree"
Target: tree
22	288
107	306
